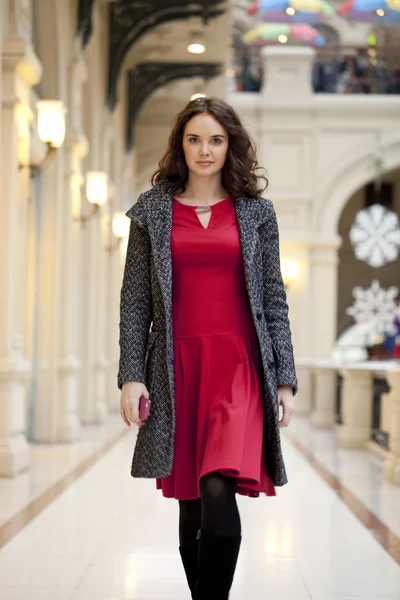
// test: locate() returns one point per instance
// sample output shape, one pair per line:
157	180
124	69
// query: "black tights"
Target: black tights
215	511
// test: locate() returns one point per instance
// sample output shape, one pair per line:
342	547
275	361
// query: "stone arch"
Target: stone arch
348	175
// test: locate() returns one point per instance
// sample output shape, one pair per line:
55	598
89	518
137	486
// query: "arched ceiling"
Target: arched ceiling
158	31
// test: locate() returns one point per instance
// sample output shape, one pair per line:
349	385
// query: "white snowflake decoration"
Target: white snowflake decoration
375	235
376	306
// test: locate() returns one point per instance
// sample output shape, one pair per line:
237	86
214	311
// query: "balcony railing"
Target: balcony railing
344	71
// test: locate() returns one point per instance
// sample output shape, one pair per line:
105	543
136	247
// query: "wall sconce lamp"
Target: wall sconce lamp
290	272
96	193
120	229
51	130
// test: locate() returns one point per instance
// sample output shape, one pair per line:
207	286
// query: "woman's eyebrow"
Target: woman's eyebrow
219	135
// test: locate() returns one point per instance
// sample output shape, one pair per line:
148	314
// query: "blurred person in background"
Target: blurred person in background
203	269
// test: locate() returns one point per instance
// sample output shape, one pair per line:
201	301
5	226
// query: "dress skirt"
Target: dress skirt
217	362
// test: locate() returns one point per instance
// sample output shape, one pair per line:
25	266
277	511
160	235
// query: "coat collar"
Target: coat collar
158	204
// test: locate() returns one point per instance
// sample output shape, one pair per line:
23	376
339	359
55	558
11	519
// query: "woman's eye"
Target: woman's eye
192	139
217	141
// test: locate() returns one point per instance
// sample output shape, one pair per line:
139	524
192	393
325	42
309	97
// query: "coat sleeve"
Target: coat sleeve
275	302
135	305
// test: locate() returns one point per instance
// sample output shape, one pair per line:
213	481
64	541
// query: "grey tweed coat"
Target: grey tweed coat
146	299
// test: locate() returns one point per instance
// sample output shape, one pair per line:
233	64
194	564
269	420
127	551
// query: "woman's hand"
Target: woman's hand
285	399
130	396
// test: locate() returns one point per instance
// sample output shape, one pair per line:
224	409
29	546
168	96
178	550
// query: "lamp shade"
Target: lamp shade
120	225
290	271
51	122
97	187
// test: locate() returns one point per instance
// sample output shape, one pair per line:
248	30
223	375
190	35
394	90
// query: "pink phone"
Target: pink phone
144	408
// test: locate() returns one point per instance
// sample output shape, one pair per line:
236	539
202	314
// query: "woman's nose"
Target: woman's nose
204	150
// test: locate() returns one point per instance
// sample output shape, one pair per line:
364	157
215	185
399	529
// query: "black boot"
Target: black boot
189	556
217	563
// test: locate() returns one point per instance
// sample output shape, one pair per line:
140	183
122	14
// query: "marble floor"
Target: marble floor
359	471
109	537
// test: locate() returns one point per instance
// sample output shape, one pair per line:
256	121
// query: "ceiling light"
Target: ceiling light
290	11
282	39
196	44
196	48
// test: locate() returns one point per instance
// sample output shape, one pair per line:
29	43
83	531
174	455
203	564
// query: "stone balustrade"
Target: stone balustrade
392	462
319	394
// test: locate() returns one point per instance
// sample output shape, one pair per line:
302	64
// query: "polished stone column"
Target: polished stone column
323	297
115	271
324	413
20	70
75	149
357	398
305	397
392	462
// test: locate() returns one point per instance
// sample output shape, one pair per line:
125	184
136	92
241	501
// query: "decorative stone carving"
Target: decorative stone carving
85	25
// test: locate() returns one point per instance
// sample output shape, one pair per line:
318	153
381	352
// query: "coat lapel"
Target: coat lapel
160	229
250	214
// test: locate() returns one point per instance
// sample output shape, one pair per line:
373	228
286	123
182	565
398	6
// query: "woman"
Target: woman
203	270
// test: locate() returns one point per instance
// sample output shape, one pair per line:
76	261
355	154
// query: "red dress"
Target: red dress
217	364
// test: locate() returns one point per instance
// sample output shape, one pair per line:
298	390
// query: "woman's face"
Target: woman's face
205	144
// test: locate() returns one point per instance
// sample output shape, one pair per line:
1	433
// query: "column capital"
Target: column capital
325	251
16	368
356	372
326	366
19	56
76	143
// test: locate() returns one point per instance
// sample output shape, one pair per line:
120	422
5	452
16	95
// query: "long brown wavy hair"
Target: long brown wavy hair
241	172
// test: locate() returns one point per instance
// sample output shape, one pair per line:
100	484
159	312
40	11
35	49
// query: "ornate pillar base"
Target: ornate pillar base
114	395
357	398
100	391
304	397
14	455
14	448
69	426
392	463
324	413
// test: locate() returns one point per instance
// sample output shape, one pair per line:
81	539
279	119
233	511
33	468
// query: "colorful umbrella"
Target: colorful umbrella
385	12
272	33
292	11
